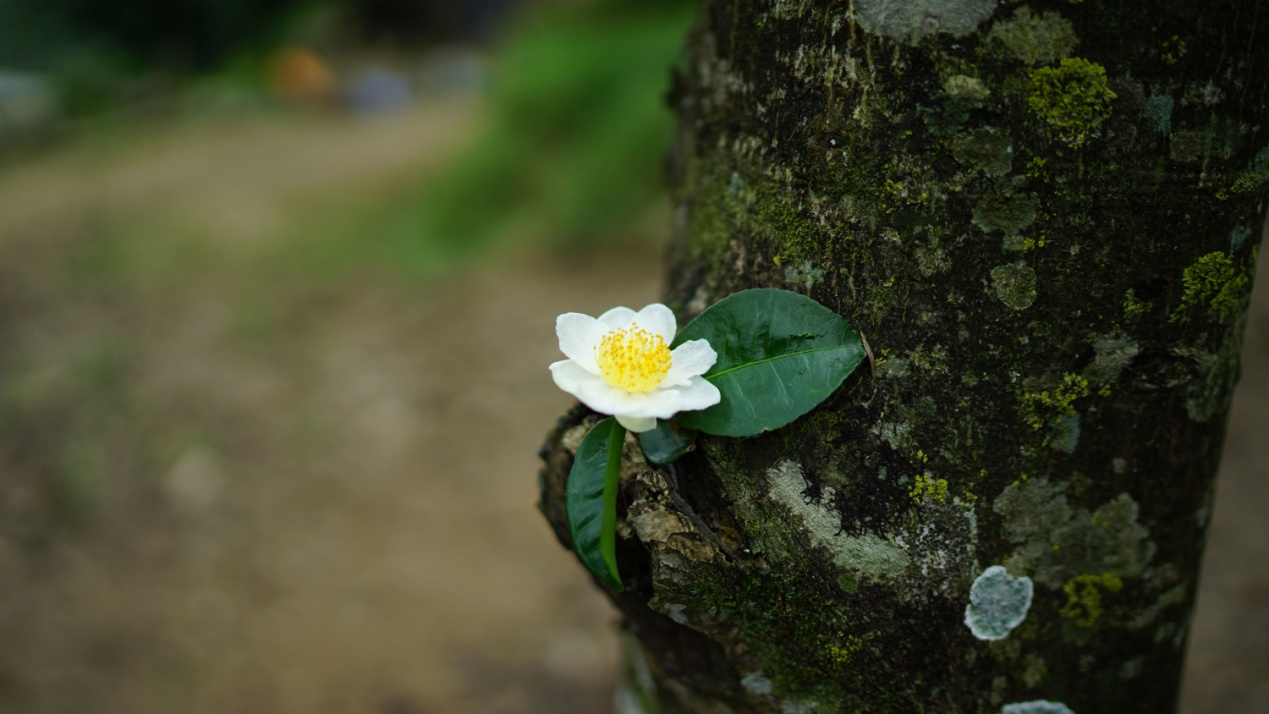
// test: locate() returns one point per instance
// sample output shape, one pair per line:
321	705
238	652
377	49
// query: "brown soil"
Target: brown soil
226	486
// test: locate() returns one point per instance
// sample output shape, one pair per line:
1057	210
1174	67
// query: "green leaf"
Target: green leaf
667	442
779	355
590	500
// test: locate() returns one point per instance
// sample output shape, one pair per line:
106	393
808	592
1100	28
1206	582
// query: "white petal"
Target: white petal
617	318
658	319
699	394
607	399
570	376
579	336
688	360
637	424
665	403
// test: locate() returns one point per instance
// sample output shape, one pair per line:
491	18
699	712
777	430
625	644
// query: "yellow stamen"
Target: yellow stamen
633	359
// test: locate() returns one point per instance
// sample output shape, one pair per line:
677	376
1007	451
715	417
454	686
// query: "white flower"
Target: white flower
621	364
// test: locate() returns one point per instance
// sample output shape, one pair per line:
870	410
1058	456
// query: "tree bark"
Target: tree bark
1044	220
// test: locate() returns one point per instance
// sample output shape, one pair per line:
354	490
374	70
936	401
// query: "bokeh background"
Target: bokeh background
277	287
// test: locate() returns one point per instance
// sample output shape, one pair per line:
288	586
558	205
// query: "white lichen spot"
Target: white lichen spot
1036	706
1238	236
998	602
806	275
756	683
963	85
911	21
1112	353
941	547
893	368
677	612
1208	94
1066	433
894	433
872	556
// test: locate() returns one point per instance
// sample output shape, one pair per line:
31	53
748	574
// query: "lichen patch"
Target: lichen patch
1112	353
1008	214
1073	99
987	149
910	21
1158	111
1036	706
998	602
874	557
1056	543
1014	285
1036	39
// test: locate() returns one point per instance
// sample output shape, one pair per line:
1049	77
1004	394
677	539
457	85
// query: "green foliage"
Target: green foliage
591	500
667	443
1072	98
191	34
577	138
779	355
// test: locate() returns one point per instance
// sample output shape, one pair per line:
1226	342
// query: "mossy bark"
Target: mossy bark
1044	219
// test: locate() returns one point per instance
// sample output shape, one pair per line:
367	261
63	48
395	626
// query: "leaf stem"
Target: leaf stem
612	480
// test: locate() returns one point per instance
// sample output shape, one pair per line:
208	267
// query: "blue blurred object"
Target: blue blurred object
454	70
27	102
378	90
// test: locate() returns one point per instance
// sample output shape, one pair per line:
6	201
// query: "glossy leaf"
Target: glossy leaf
779	355
590	500
666	443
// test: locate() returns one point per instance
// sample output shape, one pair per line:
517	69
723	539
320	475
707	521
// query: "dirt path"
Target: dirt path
239	489
229	494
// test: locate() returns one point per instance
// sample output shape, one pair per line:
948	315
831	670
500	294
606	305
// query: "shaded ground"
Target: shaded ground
231	484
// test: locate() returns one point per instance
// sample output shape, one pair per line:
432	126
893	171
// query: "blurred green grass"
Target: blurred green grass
570	154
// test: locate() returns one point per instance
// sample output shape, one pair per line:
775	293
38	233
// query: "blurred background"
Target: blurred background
277	287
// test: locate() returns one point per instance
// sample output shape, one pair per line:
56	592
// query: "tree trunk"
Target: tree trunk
1044	219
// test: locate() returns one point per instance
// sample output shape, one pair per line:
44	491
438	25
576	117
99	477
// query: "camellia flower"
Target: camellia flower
621	364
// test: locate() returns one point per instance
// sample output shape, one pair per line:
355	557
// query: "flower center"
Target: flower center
633	359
